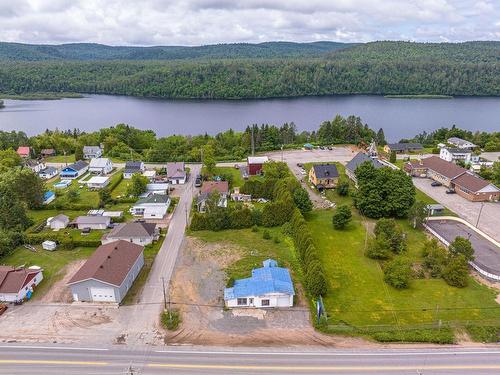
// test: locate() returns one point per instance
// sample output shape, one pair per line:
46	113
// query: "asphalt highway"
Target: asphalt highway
21	359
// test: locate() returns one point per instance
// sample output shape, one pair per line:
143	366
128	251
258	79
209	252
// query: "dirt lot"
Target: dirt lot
59	292
199	282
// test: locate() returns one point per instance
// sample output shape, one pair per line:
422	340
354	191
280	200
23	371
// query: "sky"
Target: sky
199	22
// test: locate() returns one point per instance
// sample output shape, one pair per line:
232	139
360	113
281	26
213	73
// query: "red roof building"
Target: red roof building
24	151
17	284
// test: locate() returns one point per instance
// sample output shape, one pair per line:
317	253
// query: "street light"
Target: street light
479	216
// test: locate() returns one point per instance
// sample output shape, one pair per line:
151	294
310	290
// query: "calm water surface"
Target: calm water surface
398	117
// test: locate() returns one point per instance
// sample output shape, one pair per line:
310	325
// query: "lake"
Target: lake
400	118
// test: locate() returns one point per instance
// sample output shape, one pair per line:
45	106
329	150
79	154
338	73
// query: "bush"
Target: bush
441	336
315	280
390	230
456	272
266	235
484	333
302	200
255	228
115	182
378	248
170	319
343	187
276	239
462	246
341	217
397	273
435	257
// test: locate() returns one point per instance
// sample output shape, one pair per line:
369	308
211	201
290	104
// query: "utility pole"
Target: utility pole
282	158
164	293
479	216
253	143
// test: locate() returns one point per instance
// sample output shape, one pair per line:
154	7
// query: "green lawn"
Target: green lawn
359	297
121	189
61	159
42	215
51	261
237	179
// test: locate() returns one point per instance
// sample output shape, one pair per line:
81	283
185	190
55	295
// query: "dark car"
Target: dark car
300	165
436	183
450	191
197	182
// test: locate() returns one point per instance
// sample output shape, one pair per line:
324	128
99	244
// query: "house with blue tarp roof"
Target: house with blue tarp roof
269	286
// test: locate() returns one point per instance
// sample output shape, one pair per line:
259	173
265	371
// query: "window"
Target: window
264	302
242	302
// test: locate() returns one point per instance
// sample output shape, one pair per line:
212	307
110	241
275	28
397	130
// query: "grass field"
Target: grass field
360	298
237	179
50	261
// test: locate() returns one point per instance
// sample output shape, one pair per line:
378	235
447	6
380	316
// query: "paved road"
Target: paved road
15	359
489	221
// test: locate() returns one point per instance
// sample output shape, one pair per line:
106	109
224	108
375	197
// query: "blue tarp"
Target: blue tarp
268	279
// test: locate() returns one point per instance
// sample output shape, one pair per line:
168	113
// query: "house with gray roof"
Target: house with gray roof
176	173
359	159
91	152
138	232
133	167
402	147
91	222
461	143
324	176
60	221
109	273
269	286
154	206
74	170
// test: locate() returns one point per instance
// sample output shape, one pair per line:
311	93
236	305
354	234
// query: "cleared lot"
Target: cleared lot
486	254
490	215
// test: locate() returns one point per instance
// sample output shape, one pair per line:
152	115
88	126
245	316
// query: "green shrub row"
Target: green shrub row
315	281
64	242
112	186
436	336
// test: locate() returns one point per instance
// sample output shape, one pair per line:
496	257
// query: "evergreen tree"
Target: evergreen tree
342	217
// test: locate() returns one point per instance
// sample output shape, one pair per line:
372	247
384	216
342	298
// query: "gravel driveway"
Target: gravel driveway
490	215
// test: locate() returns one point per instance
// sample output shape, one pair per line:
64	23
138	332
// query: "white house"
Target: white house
91	152
109	273
269	286
74	170
92	222
137	232
153	207
461	143
176	173
49	245
97	182
47	173
17	284
133	167
100	166
150	175
455	154
58	222
35	165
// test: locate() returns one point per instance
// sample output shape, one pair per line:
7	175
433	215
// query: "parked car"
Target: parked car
450	191
300	165
330	148
236	166
3	308
321	148
197	182
436	183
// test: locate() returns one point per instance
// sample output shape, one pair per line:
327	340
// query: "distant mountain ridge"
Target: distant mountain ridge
92	51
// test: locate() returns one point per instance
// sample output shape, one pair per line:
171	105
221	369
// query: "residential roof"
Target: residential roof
23	150
359	159
257	159
48	194
110	263
99	162
12	279
97	179
32	162
92	220
133	229
48	170
443	167
460	142
457	150
325	170
154	198
60	217
133	166
210	186
268	279
48	151
78	166
176	170
405	146
471	182
91	149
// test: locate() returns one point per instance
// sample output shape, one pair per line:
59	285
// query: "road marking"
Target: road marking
50	362
339	354
50	347
324	368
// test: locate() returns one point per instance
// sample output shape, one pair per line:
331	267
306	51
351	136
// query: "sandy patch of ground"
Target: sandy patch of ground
59	291
199	282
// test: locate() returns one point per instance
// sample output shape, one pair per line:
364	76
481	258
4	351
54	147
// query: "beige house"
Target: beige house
324	176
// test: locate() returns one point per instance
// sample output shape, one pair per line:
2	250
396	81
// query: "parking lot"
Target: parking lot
489	222
487	255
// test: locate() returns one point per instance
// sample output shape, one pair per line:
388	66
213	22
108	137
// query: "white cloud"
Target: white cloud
194	22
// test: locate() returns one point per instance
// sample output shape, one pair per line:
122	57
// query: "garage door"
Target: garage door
102	294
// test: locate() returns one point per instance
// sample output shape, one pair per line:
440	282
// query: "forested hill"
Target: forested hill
379	68
90	51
